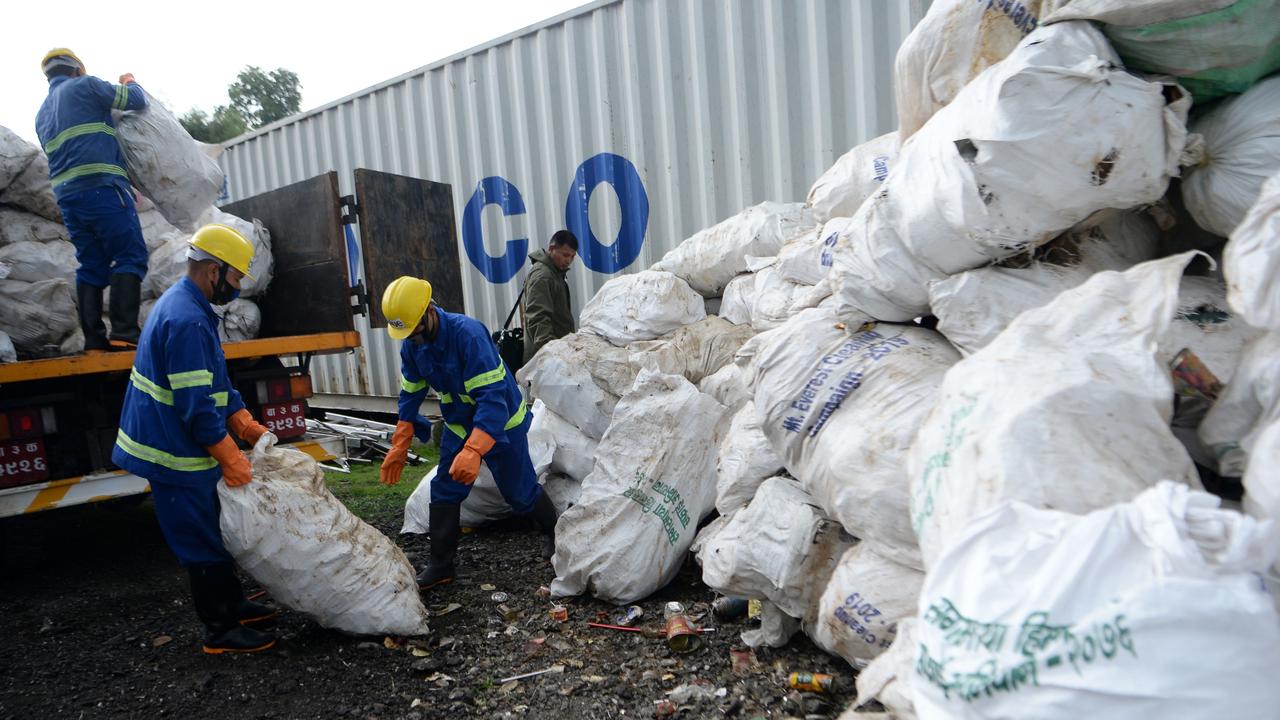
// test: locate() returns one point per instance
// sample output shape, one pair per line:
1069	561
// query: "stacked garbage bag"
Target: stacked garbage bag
994	415
177	180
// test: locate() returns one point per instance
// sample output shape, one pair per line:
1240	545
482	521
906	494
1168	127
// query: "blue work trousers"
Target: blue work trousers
103	224
190	520
509	462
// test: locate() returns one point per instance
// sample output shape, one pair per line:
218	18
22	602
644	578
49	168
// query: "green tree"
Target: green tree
264	97
226	123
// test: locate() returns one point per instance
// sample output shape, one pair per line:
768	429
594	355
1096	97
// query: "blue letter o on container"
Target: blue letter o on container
634	201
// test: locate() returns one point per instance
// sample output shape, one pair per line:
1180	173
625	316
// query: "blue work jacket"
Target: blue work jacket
462	364
77	133
179	396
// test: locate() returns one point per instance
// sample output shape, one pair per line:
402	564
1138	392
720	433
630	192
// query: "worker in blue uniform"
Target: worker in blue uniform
89	179
484	412
180	412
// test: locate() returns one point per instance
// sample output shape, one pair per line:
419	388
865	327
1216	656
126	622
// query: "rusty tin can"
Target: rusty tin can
682	636
559	613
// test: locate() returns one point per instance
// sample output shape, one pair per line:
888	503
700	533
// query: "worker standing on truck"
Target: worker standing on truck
91	184
485	415
547	314
178	409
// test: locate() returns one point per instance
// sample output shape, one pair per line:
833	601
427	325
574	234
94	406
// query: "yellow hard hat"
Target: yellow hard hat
59	53
403	304
224	243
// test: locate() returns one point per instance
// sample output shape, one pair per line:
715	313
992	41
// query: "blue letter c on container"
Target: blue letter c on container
493	190
634	201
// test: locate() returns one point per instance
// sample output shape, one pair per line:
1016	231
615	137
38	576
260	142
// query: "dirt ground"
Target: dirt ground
96	620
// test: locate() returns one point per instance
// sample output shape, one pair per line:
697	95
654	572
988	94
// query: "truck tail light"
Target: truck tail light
300	387
283	389
27	423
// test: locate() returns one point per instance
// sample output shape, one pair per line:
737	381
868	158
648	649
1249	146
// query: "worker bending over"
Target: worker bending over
178	409
485	414
91	184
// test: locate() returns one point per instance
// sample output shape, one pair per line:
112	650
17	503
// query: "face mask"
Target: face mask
223	291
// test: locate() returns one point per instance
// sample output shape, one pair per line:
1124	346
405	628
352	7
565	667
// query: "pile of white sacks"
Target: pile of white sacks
178	181
999	513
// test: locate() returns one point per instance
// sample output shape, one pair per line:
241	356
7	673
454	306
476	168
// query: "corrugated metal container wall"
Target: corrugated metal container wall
713	105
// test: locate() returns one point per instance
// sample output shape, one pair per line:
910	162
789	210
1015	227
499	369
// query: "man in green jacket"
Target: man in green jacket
547	314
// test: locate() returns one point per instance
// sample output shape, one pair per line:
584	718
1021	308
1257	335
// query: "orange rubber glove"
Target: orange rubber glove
235	467
399	454
242	425
127	78
466	466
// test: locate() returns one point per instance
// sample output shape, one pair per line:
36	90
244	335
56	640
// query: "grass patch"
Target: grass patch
368	498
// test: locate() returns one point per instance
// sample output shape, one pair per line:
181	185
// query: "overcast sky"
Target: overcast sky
186	56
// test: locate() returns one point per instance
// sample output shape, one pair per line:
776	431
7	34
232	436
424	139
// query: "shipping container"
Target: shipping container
634	123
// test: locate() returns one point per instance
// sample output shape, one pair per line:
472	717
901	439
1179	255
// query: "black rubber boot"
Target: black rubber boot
244	611
89	305
216	596
126	296
445	529
545	517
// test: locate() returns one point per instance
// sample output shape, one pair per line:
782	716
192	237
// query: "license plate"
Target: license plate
285	420
22	462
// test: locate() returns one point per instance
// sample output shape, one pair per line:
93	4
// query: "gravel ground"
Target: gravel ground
97	623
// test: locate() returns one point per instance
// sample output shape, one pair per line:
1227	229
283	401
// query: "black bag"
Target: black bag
510	341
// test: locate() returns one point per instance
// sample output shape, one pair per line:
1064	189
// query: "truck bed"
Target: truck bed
316	343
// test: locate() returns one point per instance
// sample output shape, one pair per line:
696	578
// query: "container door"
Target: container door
309	291
407	228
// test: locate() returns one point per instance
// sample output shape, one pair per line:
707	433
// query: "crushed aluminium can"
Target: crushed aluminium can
629	616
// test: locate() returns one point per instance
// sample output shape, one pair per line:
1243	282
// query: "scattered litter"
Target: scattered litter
810	682
729	608
446	609
693	694
559	613
664	708
498	597
553	670
682	636
161	640
743	661
629	617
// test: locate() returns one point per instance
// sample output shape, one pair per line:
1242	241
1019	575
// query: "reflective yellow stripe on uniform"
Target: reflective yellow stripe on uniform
162	458
190	379
448	398
412	387
144	384
489	378
89	169
122	97
77	131
220	399
518	417
513	422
